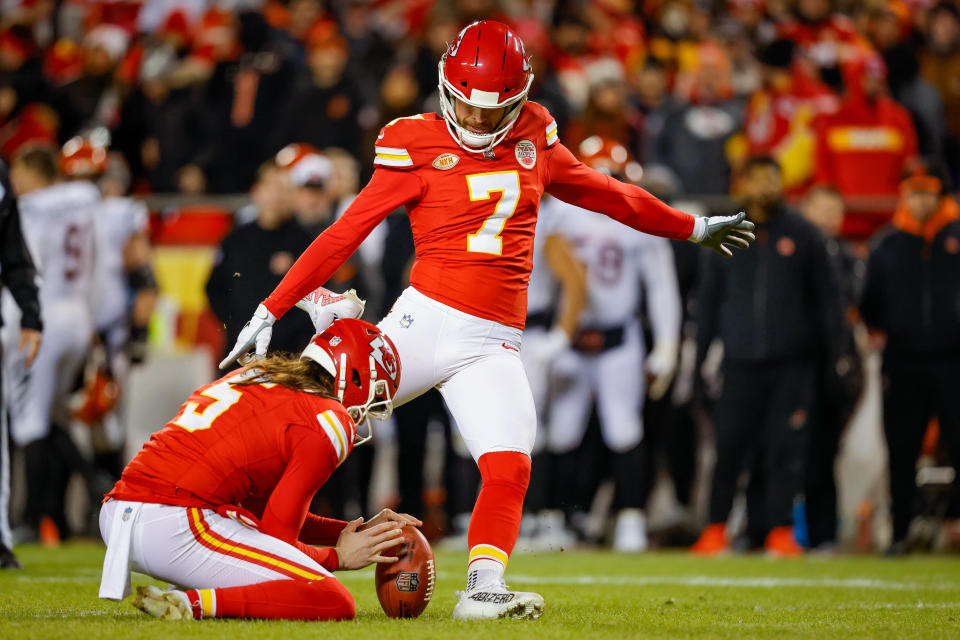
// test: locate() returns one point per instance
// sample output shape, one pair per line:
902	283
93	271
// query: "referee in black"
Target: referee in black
17	274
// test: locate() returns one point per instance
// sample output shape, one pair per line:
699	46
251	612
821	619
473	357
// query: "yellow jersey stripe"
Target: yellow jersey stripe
389	162
341	444
393	156
227	548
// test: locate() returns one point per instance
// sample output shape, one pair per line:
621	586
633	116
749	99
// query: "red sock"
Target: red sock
496	517
325	599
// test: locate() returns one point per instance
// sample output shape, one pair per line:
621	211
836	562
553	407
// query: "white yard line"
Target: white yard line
697	581
640	581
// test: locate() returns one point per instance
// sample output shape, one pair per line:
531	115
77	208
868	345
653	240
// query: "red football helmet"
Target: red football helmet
484	67
364	364
610	157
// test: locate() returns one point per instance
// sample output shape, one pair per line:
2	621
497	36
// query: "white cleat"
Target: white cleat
324	306
166	605
494	601
630	533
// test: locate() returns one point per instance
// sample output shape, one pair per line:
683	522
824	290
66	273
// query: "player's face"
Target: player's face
478	119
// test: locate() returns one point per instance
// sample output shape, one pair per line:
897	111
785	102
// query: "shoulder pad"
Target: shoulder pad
392	148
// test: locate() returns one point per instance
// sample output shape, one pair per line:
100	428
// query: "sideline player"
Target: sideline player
216	502
471	180
57	219
608	358
19	277
125	290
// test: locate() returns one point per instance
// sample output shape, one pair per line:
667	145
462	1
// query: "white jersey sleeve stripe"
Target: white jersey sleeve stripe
552	133
393	151
335	431
393	162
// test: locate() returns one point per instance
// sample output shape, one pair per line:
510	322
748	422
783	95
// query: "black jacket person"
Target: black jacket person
777	309
912	296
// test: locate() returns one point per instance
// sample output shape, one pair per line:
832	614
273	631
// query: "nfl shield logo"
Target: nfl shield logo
407	581
334	341
526	153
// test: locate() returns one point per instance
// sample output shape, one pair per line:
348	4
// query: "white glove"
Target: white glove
258	331
660	365
552	345
717	232
538	355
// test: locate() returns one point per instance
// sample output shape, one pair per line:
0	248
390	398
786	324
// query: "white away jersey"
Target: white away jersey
618	260
543	289
116	221
58	229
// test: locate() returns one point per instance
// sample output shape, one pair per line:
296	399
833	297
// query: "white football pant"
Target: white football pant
615	378
37	396
198	548
475	364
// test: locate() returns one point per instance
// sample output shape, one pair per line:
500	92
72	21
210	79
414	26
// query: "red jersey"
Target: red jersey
473	216
261	446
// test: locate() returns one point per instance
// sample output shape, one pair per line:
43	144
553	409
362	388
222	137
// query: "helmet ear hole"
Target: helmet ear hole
356	378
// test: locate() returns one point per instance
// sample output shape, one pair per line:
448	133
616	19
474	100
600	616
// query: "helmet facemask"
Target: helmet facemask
468	140
379	403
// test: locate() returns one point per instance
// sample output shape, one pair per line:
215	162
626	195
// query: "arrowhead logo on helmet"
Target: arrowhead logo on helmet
493	72
364	364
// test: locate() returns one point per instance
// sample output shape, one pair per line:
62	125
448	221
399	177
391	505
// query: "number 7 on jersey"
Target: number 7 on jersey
487	239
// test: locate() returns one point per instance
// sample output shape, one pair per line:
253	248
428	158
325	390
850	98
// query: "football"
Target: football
406	586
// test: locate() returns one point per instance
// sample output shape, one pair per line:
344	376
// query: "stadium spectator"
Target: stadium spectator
159	125
778	312
864	146
93	99
910	297
242	102
323	108
940	65
255	256
827	39
693	142
608	114
779	117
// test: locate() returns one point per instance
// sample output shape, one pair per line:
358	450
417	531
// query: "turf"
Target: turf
588	594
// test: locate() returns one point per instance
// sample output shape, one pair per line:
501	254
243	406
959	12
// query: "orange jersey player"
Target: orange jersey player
216	501
471	179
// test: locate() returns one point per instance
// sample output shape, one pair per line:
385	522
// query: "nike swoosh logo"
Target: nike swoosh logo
507	346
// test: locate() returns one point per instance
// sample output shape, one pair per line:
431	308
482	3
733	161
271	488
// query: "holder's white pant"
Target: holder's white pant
475	364
615	378
200	549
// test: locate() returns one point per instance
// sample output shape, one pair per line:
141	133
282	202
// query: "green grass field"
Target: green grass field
588	594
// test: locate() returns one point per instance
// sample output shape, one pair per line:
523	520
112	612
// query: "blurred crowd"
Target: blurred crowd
196	94
826	119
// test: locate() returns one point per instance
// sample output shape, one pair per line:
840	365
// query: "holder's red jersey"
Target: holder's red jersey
473	215
263	446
